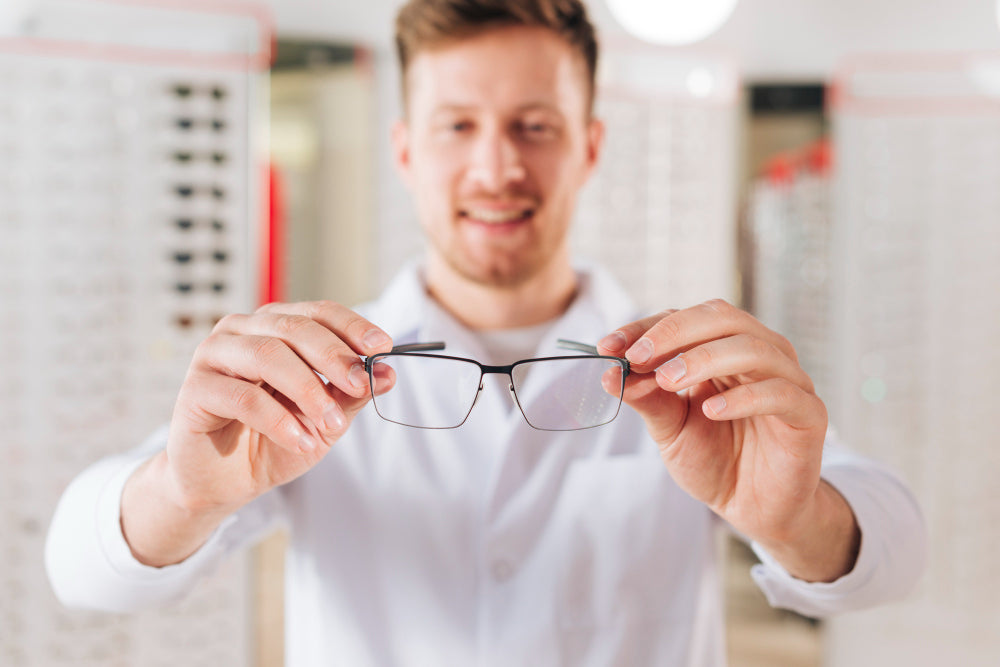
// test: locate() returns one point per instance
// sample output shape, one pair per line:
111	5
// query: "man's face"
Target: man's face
497	142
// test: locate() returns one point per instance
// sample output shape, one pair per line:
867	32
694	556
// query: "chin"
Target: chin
498	275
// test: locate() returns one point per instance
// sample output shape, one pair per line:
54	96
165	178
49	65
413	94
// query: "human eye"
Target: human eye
537	129
456	126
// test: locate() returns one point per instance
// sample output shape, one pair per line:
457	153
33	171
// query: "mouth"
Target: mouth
496	217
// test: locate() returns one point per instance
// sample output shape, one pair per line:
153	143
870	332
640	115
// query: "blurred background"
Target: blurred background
835	163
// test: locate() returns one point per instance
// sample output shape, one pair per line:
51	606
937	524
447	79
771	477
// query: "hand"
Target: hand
253	414
736	418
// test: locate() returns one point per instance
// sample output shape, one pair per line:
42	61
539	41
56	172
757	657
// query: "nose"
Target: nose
496	161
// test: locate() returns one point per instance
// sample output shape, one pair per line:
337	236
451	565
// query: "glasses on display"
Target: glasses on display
187	224
186	191
186	90
187	157
434	391
188	123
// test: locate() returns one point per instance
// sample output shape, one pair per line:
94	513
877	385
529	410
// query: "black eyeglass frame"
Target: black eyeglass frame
421	350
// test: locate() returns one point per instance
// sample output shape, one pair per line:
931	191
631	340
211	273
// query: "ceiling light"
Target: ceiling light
671	21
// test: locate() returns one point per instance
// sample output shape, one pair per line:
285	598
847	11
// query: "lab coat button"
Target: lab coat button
501	570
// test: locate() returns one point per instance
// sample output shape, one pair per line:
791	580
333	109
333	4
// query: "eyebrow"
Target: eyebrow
466	108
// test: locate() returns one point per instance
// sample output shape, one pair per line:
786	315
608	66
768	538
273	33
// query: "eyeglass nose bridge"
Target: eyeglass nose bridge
497	370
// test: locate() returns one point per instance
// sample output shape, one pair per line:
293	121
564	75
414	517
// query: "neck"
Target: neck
543	297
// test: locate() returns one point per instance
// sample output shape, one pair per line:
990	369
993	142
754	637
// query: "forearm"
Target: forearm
825	544
158	529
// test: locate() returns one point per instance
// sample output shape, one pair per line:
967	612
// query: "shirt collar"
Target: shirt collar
409	315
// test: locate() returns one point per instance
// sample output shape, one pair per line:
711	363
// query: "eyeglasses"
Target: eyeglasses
434	391
188	123
185	90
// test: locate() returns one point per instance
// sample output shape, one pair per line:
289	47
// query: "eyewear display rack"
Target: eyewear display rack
130	203
787	233
916	312
660	209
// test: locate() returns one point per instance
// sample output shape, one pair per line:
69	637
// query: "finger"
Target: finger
663	411
745	356
269	360
650	343
381	380
774	396
358	333
619	340
250	404
320	348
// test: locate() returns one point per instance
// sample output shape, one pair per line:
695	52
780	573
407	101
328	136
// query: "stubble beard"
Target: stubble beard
507	273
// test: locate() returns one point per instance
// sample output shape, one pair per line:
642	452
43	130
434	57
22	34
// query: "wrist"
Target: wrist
823	543
159	526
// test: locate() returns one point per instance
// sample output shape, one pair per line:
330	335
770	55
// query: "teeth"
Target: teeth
495	217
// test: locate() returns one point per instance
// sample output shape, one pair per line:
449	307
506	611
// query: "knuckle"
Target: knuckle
245	398
282	423
785	391
633	331
786	347
699	357
756	396
313	390
758	346
668	327
292	325
332	354
720	306
228	322
357	326
732	316
207	345
272	307
265	350
321	310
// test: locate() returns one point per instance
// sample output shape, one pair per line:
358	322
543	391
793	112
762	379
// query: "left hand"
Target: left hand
737	420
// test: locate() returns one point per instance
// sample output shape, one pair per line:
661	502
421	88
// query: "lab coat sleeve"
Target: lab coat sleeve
89	563
893	549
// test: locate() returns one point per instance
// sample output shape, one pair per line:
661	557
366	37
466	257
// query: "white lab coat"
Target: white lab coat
491	544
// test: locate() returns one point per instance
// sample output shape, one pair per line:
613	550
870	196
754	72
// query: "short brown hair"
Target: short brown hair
426	24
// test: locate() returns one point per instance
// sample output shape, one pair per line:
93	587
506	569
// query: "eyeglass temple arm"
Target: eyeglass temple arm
419	347
438	346
579	347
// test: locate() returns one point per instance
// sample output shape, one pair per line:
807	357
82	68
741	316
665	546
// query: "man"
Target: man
494	543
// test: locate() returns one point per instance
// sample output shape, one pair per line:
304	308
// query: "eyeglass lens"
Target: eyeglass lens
430	392
568	394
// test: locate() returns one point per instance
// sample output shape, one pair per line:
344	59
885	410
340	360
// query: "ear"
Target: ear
595	144
400	137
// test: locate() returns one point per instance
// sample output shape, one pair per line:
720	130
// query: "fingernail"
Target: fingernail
716	404
374	339
333	417
674	369
358	376
641	352
613	342
307	443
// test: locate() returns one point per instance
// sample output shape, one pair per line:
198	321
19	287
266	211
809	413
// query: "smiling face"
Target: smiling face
497	142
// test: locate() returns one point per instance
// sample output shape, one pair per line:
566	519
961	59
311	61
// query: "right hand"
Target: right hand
253	414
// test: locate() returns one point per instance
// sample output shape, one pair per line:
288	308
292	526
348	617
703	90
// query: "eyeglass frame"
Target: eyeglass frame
421	350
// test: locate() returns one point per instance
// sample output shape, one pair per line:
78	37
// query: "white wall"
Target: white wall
773	38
